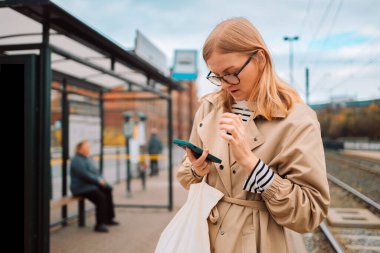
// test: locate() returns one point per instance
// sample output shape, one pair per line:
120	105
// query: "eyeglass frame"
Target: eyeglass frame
236	74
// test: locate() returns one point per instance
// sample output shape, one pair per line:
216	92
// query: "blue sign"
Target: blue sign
185	65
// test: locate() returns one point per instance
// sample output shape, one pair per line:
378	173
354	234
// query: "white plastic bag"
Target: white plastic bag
187	232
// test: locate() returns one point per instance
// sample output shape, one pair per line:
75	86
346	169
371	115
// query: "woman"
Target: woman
273	171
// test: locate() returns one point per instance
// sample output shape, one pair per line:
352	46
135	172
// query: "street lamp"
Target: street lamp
290	40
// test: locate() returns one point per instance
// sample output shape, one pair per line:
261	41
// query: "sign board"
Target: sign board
84	123
185	65
150	53
128	128
84	127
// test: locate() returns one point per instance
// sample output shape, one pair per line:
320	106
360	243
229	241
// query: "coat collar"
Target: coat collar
212	98
208	132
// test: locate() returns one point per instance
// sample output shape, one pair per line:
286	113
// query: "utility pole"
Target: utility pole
290	40
307	85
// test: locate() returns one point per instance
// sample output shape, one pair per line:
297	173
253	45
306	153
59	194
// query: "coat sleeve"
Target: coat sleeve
298	197
78	169
184	174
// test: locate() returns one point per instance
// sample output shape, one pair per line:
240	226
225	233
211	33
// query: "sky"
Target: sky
339	40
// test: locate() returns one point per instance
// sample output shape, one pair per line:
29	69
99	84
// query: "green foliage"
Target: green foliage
350	122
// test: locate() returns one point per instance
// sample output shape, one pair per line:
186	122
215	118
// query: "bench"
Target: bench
64	201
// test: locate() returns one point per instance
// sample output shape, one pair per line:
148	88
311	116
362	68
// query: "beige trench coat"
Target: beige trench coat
298	197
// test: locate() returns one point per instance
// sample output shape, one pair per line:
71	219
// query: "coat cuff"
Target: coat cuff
187	164
260	179
195	173
273	189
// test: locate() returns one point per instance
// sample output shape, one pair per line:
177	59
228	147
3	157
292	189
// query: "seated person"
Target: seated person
86	182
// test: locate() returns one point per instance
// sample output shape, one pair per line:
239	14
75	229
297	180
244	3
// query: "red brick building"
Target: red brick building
184	106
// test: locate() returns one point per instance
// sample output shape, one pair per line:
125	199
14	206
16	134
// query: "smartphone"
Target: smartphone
197	151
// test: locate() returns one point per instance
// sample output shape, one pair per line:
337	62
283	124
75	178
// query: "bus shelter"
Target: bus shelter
53	50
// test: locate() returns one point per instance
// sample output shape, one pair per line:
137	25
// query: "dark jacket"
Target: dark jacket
84	176
155	146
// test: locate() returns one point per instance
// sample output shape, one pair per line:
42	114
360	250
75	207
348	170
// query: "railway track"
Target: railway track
352	186
352	239
360	163
363	178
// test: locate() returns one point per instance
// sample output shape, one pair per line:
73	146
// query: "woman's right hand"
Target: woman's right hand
201	166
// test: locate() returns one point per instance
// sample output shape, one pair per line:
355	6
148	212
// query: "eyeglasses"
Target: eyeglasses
232	79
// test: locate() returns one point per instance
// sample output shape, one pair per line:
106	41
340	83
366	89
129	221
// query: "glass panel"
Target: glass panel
149	172
56	151
56	143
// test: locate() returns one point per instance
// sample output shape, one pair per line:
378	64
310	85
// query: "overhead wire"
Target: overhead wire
327	38
316	31
370	61
350	62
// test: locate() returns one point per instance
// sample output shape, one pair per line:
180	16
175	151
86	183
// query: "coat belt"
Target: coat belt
254	204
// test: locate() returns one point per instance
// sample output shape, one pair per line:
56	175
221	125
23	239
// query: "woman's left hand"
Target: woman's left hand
233	124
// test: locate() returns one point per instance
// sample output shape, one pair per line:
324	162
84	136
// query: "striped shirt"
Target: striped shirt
241	108
261	176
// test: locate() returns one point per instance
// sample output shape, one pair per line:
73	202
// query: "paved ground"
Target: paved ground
373	155
140	228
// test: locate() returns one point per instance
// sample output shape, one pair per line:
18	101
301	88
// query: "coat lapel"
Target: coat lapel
253	135
209	134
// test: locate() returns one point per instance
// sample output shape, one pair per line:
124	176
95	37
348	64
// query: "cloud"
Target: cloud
339	40
336	37
365	51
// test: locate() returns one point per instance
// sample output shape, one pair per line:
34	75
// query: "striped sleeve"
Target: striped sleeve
260	178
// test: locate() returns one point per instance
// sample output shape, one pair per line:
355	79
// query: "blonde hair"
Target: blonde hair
271	95
79	145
